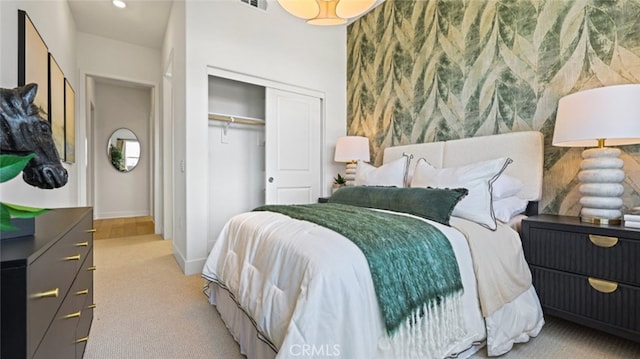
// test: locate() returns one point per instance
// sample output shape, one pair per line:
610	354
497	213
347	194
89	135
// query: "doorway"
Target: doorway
121	118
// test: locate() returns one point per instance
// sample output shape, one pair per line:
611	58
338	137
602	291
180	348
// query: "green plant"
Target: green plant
339	180
11	166
117	159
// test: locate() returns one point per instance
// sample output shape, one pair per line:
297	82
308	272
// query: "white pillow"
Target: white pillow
506	186
477	178
389	174
509	207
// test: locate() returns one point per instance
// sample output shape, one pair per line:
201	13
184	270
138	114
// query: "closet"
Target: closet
264	147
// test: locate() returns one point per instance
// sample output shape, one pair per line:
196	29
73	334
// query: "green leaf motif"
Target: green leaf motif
12	165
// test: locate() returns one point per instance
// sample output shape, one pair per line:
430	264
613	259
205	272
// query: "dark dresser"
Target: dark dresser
47	287
586	273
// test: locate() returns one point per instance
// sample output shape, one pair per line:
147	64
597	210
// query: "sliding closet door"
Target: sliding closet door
292	148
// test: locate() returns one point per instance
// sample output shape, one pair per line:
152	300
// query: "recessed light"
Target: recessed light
119	3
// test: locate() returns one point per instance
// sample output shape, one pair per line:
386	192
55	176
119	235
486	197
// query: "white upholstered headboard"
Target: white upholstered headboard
524	148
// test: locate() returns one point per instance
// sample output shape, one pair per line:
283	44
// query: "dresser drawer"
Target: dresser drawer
59	339
589	254
47	292
574	294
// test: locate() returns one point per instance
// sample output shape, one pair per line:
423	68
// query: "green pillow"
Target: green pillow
435	204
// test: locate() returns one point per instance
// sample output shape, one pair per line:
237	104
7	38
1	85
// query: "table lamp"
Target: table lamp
351	149
605	116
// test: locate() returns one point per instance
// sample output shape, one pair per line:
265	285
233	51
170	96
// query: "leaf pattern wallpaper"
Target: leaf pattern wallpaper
422	71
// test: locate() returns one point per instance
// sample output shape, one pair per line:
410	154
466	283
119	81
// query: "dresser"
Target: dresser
47	287
586	273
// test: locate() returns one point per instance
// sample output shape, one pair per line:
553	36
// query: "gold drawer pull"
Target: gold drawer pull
72	258
48	294
91	306
603	241
72	315
603	286
91	230
82	339
82	244
81	292
91	268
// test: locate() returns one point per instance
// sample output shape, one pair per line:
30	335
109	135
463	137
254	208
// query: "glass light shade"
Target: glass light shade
352	148
327	15
611	113
304	9
326	12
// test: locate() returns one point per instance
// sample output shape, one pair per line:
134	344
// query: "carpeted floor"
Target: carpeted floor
147	308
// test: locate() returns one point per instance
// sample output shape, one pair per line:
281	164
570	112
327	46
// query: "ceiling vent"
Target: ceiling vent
258	4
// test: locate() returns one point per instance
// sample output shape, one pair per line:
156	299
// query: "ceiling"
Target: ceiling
142	22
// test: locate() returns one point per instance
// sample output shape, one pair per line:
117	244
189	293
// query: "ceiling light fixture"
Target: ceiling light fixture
119	4
326	12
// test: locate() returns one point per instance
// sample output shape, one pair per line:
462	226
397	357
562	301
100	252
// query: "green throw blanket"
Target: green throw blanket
411	262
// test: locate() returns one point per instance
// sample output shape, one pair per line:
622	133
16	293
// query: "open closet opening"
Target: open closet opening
236	149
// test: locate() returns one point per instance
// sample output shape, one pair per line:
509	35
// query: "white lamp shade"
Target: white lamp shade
352	148
611	113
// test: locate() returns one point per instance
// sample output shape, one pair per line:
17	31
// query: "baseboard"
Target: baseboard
121	214
188	267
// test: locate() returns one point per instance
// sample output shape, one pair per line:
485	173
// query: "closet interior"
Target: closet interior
236	150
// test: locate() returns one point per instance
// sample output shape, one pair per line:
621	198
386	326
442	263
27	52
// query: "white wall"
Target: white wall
121	194
268	44
56	26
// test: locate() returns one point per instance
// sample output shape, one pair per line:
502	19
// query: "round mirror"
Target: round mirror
123	150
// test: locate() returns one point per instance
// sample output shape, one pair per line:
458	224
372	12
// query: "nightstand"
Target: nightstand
586	273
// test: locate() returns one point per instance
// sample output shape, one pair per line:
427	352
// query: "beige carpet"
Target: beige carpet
146	308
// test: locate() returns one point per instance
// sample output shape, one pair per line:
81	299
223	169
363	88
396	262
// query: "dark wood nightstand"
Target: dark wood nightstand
586	273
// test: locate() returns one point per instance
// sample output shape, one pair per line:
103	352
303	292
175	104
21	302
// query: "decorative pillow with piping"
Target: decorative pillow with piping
478	178
435	204
509	207
389	174
506	186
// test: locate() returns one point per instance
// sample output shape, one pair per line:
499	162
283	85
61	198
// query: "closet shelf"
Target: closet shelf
236	119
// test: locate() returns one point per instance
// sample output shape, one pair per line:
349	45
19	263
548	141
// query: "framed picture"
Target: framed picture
33	61
69	123
57	105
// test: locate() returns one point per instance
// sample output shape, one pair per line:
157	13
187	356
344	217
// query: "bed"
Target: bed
291	288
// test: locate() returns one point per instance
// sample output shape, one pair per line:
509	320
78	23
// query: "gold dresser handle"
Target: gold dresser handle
48	294
82	244
91	230
81	292
603	286
82	339
72	315
91	306
603	241
72	258
91	268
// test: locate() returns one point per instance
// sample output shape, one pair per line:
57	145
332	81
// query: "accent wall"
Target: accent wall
422	71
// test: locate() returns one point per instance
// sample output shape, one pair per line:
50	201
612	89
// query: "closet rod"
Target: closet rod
235	119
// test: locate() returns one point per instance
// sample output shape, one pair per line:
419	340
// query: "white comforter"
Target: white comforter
309	287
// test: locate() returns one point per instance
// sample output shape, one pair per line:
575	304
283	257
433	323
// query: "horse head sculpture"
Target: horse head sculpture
23	131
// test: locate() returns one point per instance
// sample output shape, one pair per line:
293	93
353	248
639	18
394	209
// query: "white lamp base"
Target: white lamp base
601	176
350	175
